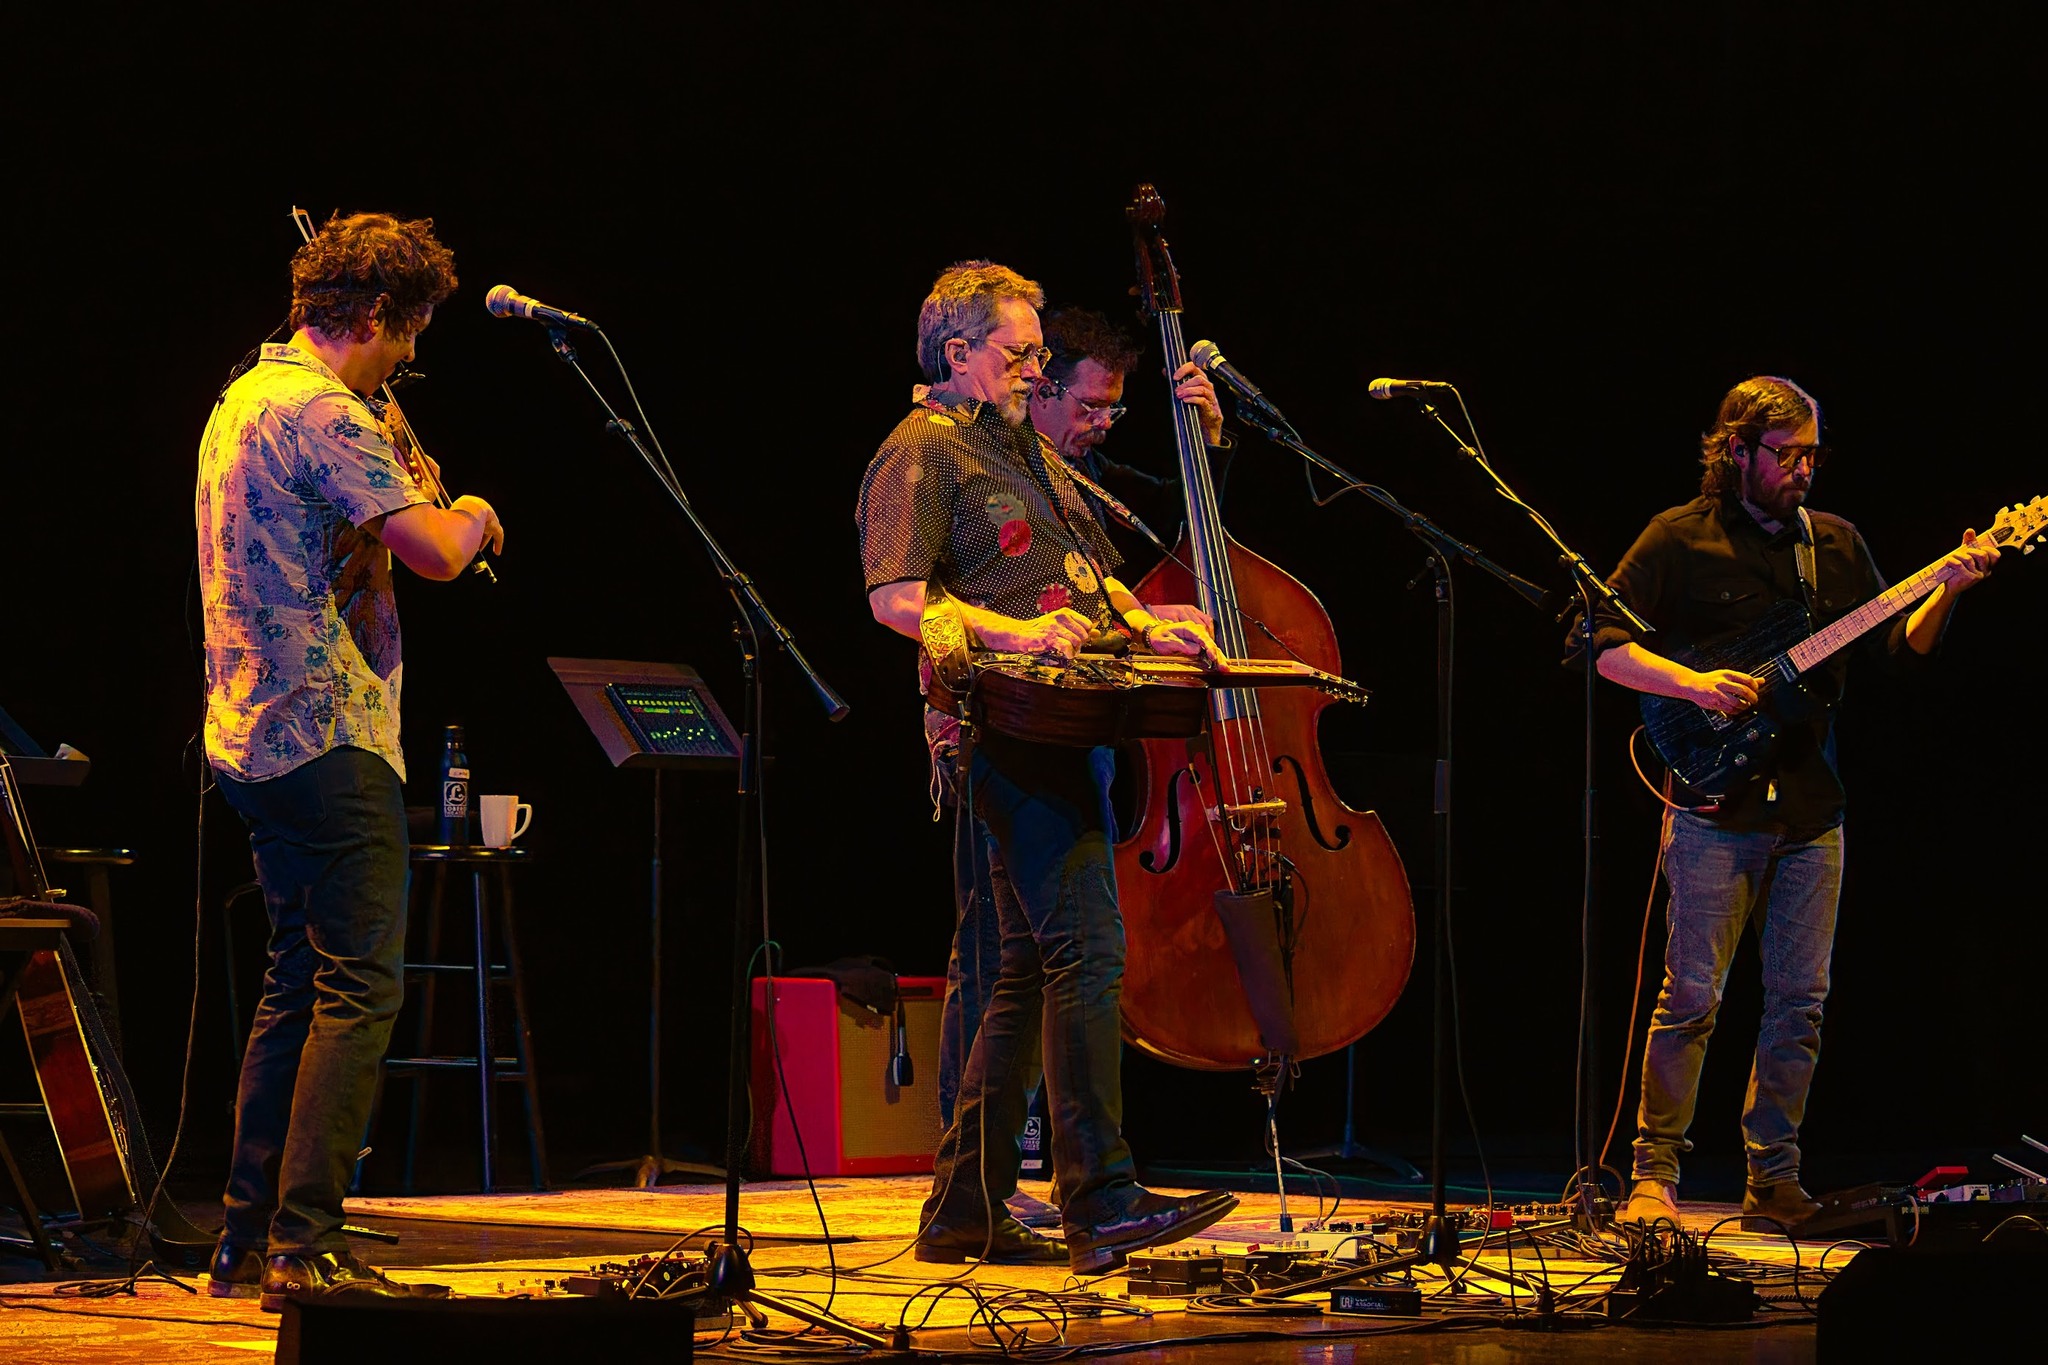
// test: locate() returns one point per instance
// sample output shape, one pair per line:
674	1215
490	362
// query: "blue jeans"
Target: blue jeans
331	853
1720	880
1057	992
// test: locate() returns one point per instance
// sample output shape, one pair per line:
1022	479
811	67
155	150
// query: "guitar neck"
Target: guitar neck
1822	644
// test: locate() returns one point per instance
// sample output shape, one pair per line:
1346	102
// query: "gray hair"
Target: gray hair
963	304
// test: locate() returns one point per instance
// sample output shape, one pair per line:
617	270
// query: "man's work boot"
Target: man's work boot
1779	1207
1651	1202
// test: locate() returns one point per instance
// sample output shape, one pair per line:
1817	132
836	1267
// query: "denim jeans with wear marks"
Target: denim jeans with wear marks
1722	880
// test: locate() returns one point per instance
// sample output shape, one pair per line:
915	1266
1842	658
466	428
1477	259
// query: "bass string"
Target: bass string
1249	757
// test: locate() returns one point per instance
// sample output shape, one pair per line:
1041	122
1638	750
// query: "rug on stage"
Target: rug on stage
780	1210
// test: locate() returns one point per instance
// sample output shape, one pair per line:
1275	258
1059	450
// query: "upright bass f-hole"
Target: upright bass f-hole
1281	762
403	438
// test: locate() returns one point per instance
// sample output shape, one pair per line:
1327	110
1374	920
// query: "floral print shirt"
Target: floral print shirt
302	647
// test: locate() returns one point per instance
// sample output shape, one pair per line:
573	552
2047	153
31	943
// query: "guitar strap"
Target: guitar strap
1116	507
1808	566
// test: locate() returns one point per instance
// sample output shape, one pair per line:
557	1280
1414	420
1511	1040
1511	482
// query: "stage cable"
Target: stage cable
1642	955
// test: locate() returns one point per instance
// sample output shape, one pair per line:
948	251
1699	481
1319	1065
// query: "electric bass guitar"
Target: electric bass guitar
1712	752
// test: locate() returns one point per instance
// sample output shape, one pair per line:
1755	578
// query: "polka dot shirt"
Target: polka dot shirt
958	494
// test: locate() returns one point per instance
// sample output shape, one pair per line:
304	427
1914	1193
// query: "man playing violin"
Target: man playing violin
963	496
302	501
1772	849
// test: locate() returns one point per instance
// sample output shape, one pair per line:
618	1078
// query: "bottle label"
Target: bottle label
462	773
454	798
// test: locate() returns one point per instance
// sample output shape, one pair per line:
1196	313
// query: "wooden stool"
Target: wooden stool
490	879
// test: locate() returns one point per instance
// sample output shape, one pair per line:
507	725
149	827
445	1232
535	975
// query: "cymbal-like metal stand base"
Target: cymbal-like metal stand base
648	1171
1348	1148
731	1282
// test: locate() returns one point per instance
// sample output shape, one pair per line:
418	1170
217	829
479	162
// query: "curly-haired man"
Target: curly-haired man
302	502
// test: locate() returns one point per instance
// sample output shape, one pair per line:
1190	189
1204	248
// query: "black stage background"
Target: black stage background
1592	226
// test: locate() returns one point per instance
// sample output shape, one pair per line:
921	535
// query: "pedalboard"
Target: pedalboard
1911	1216
647	1277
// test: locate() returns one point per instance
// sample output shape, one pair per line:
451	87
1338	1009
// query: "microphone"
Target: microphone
506	302
1210	357
1387	388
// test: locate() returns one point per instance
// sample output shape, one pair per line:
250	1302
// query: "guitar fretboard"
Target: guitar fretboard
1879	609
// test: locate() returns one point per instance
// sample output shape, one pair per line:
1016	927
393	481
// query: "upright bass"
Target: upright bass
1267	922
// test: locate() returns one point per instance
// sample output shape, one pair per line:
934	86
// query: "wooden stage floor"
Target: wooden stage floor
522	1244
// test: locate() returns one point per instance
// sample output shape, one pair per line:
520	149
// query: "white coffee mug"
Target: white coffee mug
497	814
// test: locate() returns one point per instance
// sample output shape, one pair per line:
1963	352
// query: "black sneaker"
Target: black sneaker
334	1274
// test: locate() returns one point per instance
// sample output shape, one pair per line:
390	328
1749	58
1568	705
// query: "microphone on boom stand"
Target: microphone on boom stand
1210	357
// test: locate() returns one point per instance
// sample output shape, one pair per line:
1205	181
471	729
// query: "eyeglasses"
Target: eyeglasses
1789	456
1094	407
1018	355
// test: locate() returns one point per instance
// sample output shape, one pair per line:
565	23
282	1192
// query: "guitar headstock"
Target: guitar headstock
2019	525
1158	287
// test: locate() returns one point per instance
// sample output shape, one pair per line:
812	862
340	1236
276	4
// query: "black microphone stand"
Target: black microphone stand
1588	585
1439	1243
730	1274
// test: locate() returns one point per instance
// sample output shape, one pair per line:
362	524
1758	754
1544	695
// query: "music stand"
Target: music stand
658	716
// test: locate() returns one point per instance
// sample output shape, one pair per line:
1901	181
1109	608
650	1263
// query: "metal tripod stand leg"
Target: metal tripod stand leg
1349	1149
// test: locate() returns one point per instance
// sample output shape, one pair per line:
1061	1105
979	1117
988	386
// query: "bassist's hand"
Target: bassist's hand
1724	690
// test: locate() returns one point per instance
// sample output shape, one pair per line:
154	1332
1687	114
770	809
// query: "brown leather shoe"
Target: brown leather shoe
1152	1220
1010	1243
332	1275
1777	1208
235	1272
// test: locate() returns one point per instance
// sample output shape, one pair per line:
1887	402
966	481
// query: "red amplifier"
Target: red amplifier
835	1056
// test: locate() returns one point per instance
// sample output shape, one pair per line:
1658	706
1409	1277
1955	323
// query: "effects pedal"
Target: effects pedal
1178	1273
1271	1266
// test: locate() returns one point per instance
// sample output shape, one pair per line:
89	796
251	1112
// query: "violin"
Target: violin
411	453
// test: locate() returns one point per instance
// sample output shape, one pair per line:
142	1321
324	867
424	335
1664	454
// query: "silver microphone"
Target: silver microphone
1210	357
1387	388
506	302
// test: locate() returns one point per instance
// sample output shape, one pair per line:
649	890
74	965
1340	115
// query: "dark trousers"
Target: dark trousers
976	959
1056	995
330	846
